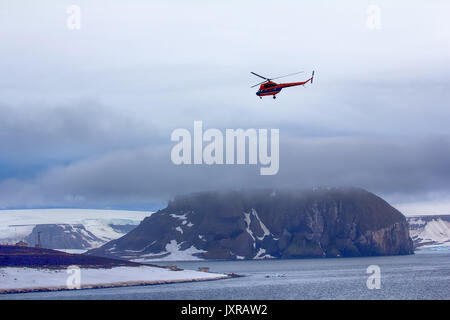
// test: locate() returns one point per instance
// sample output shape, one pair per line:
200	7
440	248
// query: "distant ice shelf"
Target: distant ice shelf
430	232
72	229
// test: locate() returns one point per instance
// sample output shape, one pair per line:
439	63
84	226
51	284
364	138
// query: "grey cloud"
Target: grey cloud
146	175
93	110
42	132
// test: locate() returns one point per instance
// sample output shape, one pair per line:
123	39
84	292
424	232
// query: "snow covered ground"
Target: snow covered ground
15	225
30	279
172	253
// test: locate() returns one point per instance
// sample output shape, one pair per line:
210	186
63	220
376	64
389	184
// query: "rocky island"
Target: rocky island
319	223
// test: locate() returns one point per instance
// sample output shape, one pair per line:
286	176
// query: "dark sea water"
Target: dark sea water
425	275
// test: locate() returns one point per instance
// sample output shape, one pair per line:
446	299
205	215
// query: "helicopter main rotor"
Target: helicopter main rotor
268	80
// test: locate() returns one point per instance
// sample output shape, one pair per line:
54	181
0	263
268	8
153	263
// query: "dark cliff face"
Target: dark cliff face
281	224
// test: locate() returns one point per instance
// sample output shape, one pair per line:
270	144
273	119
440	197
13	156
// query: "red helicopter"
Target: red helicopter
270	88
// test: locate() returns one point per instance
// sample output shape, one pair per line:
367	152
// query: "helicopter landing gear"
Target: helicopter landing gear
274	96
260	97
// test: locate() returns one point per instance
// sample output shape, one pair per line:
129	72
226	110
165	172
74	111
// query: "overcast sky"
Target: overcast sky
86	115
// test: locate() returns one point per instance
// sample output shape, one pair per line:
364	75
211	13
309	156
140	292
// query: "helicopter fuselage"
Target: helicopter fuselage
272	88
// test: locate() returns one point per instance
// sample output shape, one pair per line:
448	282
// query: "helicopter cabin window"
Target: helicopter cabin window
269	85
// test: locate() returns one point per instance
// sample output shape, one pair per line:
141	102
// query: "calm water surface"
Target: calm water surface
425	275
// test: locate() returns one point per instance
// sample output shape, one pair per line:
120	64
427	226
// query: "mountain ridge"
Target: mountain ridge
430	231
79	229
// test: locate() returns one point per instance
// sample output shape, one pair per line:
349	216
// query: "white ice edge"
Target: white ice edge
13	278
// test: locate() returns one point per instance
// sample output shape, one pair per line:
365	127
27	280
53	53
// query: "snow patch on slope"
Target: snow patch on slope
179	216
263	226
266	232
262	255
249	231
172	253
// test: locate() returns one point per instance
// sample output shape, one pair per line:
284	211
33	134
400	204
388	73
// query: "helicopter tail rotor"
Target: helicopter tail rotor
312	77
